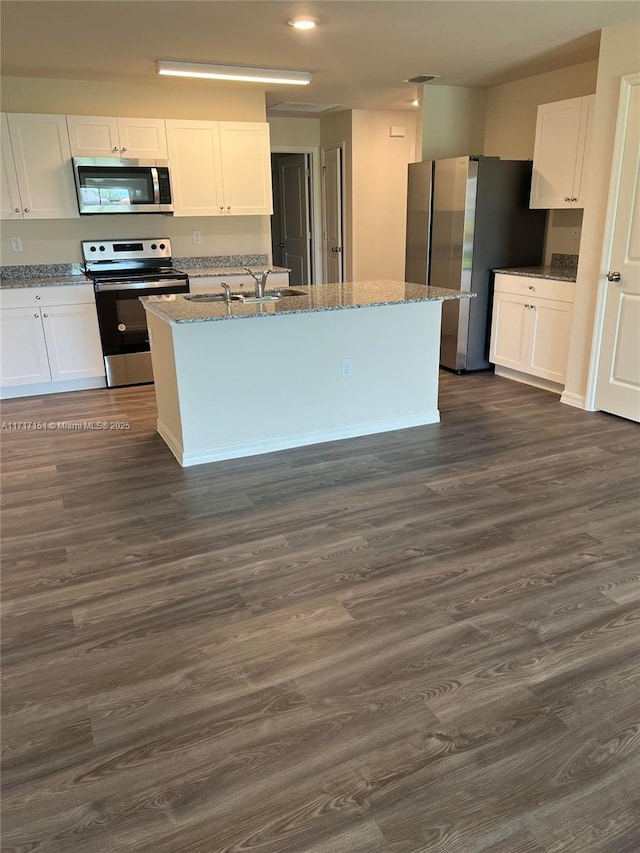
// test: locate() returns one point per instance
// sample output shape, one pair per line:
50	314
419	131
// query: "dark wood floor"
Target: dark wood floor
426	640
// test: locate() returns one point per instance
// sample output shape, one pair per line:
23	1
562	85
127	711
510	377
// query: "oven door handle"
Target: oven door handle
144	285
156	185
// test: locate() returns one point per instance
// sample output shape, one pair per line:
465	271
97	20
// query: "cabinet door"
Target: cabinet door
23	354
42	157
246	168
194	154
93	136
73	341
556	153
586	130
144	138
11	205
550	329
510	331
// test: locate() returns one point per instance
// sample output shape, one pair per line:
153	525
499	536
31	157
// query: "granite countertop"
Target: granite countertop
43	281
320	297
200	272
555	273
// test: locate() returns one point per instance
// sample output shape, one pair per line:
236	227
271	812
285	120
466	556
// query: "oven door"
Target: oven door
123	328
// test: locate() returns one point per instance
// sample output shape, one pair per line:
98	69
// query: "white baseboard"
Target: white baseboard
578	401
13	391
286	442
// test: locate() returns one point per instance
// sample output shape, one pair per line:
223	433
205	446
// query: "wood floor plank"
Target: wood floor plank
419	641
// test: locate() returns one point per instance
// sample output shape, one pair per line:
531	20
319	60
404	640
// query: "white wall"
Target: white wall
58	241
300	132
380	192
619	55
453	121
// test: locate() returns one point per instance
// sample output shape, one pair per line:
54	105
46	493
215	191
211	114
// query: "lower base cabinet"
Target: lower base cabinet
531	326
50	340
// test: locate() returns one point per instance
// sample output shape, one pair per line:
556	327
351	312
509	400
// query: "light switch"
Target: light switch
396	130
16	244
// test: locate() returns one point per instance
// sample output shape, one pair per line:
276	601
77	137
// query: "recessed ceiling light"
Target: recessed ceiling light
303	22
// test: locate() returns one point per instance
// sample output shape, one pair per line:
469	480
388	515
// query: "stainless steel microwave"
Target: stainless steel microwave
111	185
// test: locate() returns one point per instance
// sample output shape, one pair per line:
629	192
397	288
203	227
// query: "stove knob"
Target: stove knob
102	248
162	246
153	246
92	249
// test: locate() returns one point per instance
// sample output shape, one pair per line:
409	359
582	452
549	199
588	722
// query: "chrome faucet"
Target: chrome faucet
260	280
227	292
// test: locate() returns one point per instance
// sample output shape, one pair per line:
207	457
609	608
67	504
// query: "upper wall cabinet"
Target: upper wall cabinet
220	168
563	133
104	136
37	180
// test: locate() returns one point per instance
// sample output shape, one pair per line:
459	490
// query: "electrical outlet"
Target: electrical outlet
575	233
197	237
346	368
16	244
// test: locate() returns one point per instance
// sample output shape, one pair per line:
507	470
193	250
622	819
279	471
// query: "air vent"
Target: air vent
301	107
422	78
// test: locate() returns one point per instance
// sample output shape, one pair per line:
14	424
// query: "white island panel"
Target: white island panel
240	388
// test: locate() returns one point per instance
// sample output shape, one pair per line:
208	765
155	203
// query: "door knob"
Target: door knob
281	245
613	276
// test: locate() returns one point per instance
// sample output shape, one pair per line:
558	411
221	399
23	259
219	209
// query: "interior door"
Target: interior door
618	380
295	216
332	242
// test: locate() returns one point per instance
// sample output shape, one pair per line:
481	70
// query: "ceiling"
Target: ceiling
359	55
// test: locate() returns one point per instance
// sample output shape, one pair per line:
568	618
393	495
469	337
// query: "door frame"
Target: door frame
624	101
316	217
330	146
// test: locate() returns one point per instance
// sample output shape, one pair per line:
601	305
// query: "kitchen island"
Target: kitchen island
335	361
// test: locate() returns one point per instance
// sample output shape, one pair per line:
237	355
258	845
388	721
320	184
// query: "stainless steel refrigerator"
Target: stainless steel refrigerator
465	217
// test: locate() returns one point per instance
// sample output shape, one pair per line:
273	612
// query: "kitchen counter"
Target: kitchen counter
549	272
342	360
320	297
42	275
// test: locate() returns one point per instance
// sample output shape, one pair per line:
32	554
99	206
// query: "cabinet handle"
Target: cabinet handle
36	316
115	148
45	315
221	207
16	210
26	210
567	198
38	296
228	207
123	150
531	287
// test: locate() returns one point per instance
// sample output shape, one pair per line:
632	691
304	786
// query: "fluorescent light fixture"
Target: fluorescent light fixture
240	73
303	22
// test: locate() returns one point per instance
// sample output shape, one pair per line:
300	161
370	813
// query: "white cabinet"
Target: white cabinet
563	134
106	136
23	352
50	335
213	283
531	326
37	179
220	168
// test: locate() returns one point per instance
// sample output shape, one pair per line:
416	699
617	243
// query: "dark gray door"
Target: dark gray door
295	216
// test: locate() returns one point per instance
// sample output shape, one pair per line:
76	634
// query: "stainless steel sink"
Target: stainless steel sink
205	297
249	298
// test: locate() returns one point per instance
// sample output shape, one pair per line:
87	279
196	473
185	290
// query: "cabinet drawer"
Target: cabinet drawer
27	297
543	288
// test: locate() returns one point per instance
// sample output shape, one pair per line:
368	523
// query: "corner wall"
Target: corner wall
453	121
